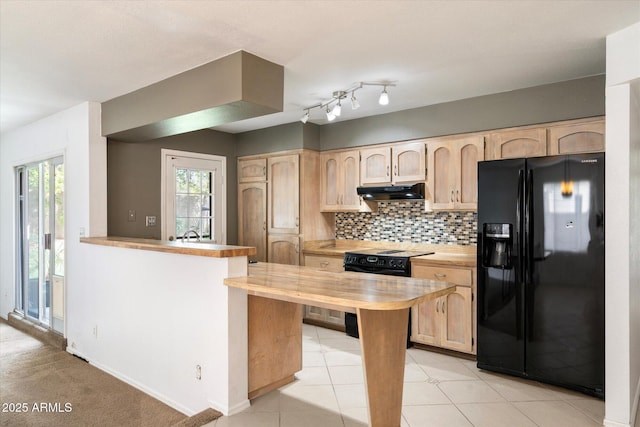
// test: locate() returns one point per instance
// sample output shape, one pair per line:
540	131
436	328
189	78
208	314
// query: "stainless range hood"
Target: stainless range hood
392	192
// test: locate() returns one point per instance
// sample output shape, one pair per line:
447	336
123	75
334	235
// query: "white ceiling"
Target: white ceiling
57	54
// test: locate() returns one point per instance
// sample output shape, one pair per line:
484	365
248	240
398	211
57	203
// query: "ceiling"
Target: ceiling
57	54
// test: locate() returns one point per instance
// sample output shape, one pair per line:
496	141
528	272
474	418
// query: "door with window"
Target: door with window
193	197
40	241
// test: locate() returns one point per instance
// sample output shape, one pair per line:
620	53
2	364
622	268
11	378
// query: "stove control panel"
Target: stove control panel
381	262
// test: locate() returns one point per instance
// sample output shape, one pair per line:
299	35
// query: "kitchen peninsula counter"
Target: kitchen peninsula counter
166	305
276	293
185	248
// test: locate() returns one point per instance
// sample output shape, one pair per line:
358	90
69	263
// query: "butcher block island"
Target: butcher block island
276	295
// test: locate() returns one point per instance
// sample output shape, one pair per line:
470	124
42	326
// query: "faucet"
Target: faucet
187	235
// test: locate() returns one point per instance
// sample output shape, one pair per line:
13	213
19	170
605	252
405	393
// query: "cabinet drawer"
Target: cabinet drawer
327	263
458	276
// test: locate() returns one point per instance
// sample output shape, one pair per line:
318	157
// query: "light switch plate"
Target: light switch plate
132	215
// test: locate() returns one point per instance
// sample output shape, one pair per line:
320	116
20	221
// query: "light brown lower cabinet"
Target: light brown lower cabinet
283	249
448	321
324	316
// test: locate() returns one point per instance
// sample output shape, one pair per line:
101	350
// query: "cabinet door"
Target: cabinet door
350	180
251	170
425	322
441	175
252	218
284	249
470	151
284	194
457	323
577	138
340	177
408	162
330	181
315	313
518	143
375	166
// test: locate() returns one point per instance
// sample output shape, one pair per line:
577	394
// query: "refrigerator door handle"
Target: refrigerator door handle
529	226
520	227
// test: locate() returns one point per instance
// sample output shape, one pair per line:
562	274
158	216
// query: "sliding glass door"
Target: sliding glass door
40	226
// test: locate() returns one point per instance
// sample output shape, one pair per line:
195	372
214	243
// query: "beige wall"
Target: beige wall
133	180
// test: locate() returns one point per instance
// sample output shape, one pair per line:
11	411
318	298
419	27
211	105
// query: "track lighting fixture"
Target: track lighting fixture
339	95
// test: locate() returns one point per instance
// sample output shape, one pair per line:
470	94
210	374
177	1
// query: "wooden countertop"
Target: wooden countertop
345	291
193	248
449	255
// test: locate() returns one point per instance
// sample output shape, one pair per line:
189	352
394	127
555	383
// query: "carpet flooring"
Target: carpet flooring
44	386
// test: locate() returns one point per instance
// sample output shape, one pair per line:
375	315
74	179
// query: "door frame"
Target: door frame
164	154
54	158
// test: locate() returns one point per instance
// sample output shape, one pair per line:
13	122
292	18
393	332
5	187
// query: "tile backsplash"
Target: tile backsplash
406	221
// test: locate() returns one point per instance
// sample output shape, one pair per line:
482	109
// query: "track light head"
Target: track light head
330	115
337	109
384	97
354	102
305	118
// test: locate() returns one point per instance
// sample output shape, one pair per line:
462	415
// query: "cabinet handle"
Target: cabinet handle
452	195
457	195
297	221
387	170
264	225
264	171
440	275
395	170
437	302
442	307
324	264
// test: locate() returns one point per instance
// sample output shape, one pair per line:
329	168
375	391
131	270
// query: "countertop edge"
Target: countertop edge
197	249
446	255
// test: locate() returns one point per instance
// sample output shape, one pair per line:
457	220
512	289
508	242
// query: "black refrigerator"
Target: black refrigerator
540	307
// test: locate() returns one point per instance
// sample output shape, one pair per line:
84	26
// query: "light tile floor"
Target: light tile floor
439	390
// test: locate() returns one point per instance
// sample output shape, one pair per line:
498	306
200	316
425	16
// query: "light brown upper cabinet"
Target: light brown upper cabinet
252	217
284	194
516	143
577	138
408	162
340	177
452	181
252	170
375	165
395	164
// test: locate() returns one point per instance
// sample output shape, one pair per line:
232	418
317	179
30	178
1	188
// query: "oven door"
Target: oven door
351	320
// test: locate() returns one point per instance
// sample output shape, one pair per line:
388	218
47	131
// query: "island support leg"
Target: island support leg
383	338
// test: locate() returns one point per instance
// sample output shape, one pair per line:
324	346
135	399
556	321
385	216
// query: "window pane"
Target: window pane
195	182
182	206
181	181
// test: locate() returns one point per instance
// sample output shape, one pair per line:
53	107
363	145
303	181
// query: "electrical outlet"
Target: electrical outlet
150	221
198	372
132	215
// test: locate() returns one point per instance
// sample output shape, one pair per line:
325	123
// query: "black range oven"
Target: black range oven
390	262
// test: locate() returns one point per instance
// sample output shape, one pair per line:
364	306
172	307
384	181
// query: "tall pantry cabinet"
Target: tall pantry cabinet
291	205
